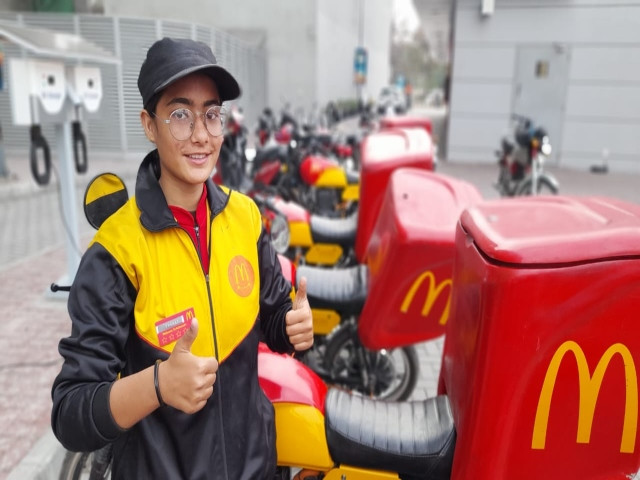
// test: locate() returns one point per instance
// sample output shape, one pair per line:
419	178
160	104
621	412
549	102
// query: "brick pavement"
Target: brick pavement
32	326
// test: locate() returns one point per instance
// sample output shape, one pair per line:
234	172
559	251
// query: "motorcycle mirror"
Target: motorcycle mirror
105	194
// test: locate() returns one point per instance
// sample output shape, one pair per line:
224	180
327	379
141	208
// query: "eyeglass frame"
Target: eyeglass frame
221	114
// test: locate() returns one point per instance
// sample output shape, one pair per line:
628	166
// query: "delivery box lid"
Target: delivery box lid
552	230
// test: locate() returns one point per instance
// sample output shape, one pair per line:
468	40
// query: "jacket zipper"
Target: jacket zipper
218	388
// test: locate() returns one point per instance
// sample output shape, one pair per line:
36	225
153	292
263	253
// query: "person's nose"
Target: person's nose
200	133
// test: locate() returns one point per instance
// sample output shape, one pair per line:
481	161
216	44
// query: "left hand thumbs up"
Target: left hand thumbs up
299	319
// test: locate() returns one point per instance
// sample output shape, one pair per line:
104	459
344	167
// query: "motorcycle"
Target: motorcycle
506	405
301	169
232	162
266	126
367	311
521	160
320	240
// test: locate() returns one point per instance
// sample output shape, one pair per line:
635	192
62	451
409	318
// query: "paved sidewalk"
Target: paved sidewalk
32	256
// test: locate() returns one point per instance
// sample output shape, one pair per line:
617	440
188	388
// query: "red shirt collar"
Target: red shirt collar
187	221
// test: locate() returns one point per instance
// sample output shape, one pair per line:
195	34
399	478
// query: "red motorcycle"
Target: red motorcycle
367	311
321	240
539	369
301	172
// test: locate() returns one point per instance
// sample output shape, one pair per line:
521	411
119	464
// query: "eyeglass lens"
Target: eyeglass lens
182	122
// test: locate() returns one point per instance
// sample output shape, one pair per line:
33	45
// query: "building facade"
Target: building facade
571	65
310	45
284	52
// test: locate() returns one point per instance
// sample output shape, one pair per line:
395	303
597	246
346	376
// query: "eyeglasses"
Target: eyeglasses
182	121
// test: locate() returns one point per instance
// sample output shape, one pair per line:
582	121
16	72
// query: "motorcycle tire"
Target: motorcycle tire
81	466
395	371
545	187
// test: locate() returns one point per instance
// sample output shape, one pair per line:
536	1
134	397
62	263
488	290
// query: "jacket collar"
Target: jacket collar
155	213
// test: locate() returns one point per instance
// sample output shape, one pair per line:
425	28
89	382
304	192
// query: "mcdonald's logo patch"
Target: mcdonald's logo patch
241	276
589	386
434	290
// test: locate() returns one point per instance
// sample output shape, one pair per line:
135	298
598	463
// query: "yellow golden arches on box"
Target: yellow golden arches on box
433	292
589	390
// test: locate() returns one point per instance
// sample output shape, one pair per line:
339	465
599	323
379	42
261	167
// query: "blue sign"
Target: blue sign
360	66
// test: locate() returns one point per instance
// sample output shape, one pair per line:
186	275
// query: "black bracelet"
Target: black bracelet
156	384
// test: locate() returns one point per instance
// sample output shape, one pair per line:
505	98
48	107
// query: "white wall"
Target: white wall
310	44
602	107
338	36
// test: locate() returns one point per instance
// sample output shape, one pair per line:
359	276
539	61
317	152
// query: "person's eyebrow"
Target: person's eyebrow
186	101
180	100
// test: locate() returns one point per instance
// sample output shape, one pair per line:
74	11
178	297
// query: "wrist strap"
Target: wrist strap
156	384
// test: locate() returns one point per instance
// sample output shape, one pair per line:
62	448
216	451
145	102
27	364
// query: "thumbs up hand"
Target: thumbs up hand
299	320
186	380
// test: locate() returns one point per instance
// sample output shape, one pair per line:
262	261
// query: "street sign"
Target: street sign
360	66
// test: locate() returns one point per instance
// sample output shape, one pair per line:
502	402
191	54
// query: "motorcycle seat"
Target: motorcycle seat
272	151
334	230
412	438
343	290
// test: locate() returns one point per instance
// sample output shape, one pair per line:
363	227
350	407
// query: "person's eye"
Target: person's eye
181	114
213	113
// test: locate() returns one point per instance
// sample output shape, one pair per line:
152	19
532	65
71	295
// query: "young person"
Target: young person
172	297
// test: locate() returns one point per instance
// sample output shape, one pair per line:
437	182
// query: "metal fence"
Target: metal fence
116	127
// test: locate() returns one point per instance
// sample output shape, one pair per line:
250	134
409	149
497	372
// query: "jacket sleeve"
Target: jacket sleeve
275	301
100	305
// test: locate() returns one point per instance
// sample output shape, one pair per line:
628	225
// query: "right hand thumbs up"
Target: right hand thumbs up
186	379
185	342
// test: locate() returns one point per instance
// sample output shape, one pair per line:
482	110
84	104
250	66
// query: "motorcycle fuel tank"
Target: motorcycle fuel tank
322	172
410	258
543	343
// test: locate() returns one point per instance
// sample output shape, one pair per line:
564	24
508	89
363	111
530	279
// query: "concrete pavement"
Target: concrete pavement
33	254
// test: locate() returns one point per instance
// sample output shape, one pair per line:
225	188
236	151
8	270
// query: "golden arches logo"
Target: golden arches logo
433	293
589	390
241	275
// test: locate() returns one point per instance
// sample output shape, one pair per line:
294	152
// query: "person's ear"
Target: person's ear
149	125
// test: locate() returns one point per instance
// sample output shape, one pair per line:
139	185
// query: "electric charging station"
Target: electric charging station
48	90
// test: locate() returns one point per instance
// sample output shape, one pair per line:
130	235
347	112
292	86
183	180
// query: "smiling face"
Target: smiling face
185	164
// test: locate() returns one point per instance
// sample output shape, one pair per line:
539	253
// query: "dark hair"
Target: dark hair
152	104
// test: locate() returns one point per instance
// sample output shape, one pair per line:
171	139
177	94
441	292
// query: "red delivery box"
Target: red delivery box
382	153
406	121
410	258
543	345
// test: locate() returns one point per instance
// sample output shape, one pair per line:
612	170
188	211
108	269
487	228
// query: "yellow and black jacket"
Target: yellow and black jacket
138	284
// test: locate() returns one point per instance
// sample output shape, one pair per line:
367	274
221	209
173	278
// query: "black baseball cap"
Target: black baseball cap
171	59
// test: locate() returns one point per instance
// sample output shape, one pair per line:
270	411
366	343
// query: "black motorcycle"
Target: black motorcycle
521	161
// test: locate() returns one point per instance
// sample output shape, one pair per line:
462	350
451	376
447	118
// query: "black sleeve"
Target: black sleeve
275	301
100	306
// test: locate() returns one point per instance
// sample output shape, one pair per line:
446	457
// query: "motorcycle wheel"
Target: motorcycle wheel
545	187
391	374
80	466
